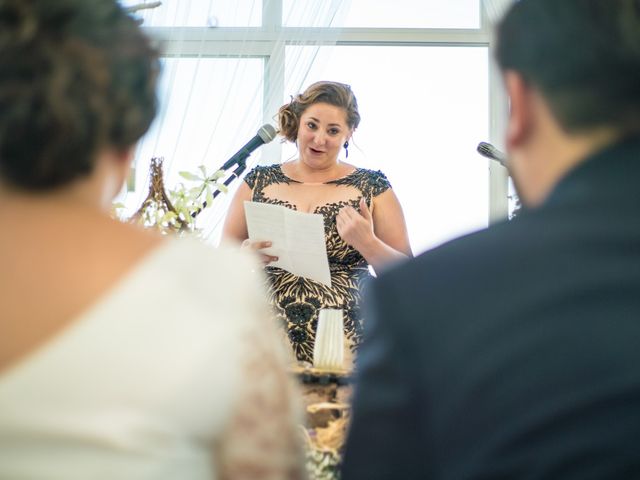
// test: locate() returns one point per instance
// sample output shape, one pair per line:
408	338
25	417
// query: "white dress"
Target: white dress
157	380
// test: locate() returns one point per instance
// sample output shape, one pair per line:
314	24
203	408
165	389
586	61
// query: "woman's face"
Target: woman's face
322	132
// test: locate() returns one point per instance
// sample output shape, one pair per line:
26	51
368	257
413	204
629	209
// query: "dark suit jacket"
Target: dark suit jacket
513	352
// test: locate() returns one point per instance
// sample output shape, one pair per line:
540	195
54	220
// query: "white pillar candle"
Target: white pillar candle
328	352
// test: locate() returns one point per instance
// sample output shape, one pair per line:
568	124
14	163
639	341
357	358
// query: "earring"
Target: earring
346	149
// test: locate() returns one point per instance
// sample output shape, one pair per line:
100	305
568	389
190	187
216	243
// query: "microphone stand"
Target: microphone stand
242	165
265	134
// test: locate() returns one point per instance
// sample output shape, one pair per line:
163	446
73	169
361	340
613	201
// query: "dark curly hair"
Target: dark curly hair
333	93
76	76
583	55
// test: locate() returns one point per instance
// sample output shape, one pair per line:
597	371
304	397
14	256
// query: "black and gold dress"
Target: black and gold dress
297	300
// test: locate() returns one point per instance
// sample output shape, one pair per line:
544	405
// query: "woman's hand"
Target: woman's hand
256	247
356	228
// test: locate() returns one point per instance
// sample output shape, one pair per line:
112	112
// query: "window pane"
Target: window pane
424	110
200	13
387	13
209	109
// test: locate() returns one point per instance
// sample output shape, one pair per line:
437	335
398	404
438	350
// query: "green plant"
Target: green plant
176	211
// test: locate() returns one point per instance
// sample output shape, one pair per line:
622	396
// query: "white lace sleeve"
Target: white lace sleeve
263	439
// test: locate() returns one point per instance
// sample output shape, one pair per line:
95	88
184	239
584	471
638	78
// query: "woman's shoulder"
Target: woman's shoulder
365	179
266	168
216	282
193	258
265	174
370	173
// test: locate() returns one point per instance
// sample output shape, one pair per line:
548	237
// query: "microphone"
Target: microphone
489	151
266	133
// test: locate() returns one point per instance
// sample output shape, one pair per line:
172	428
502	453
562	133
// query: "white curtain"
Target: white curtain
495	9
223	77
218	86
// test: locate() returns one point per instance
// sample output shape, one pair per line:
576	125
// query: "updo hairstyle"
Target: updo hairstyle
76	76
333	93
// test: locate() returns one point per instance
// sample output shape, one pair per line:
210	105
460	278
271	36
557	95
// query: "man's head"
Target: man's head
572	71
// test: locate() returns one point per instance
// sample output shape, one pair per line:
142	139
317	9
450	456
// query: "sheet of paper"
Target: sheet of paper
297	239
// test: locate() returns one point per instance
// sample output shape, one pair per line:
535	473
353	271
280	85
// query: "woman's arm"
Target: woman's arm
235	225
262	439
379	233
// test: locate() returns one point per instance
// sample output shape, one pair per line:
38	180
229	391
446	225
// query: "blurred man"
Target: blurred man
515	352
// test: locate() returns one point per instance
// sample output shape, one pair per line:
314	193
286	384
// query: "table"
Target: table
326	398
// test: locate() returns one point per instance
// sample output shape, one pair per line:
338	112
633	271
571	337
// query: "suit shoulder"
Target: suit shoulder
464	262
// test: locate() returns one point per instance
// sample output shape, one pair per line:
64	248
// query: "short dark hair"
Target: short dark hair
582	55
75	76
332	93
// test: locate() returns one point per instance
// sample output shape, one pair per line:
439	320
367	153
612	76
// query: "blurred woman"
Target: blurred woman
121	355
364	223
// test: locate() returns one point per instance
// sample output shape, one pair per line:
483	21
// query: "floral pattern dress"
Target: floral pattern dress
297	300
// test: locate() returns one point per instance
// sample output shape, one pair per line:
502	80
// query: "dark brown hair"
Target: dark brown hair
583	56
333	93
75	76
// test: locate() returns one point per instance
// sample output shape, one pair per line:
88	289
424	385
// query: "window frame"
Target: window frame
270	39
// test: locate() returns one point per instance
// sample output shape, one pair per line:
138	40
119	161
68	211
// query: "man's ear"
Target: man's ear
521	109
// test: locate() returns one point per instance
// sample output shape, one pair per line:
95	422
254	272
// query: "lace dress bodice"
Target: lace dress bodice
297	300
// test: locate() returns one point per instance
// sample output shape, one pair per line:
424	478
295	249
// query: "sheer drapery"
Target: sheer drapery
223	77
495	9
230	64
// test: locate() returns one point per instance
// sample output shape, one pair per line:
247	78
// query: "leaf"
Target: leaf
195	192
168	217
209	196
190	176
217	175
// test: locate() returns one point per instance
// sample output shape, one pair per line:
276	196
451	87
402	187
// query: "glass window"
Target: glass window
385	13
199	13
424	110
